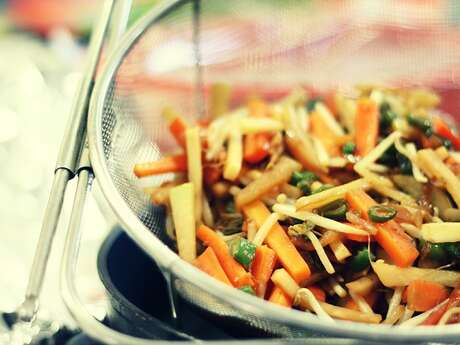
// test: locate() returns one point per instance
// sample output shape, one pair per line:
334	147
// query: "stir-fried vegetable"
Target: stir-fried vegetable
344	205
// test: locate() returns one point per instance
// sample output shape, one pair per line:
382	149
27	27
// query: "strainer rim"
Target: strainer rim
169	260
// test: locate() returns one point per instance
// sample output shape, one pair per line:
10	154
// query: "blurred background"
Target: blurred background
42	45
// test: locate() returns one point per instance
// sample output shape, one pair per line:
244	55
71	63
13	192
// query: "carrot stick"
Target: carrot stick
279	242
423	295
177	125
262	268
396	243
256	146
279	297
321	130
235	272
208	262
318	292
443	129
435	316
366	126
169	164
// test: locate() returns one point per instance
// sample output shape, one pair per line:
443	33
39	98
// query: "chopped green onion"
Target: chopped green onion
230	207
301	229
299	176
311	103
445	142
404	164
386	115
322	188
381	213
243	251
335	210
360	260
248	289
349	148
421	123
444	252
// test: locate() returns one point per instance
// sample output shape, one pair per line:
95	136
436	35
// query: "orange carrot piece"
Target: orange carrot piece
423	295
322	131
256	146
208	262
279	297
452	302
277	240
319	293
262	268
177	127
394	241
235	272
169	164
366	126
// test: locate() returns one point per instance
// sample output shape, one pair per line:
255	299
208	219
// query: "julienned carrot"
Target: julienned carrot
454	301
443	129
169	164
317	292
321	130
423	295
177	125
366	126
256	146
234	271
208	262
278	240
279	297
395	243
262	268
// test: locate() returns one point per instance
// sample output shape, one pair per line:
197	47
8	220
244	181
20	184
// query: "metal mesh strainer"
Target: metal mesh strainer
258	46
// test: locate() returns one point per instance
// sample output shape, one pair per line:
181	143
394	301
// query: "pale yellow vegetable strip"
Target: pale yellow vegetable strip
234	159
394	276
441	232
417	320
325	197
321	153
289	210
395	194
208	217
265	229
377	168
410	152
377	151
252	230
329	119
252	125
395	302
321	253
412	230
195	169
372	178
361	303
182	200
303	117
433	166
340	251
407	314
278	175
363	286
337	288
442	152
347	111
305	296
285	282
219	100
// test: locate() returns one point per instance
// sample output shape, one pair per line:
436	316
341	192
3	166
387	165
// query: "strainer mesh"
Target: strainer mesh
264	47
